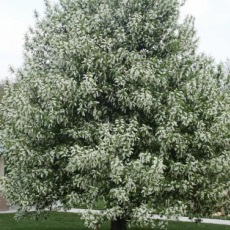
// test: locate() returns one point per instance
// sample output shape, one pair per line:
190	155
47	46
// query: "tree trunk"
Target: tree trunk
118	224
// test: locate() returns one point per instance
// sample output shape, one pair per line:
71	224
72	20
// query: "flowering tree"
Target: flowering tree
113	103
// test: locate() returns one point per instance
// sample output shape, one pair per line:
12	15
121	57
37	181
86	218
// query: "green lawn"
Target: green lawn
71	221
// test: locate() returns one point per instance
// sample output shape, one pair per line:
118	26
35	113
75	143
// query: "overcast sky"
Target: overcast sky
212	24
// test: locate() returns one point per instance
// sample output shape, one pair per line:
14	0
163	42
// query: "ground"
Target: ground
71	221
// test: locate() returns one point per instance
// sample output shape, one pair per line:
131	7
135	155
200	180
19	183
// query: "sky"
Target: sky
212	21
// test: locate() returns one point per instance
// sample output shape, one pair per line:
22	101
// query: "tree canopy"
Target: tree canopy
114	103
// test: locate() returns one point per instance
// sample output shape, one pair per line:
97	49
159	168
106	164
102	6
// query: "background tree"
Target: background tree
114	103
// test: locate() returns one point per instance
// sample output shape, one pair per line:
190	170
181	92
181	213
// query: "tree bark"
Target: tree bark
118	224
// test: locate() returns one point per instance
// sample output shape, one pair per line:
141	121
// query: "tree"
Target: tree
1	91
114	103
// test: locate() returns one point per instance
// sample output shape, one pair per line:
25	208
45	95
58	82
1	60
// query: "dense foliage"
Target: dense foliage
113	103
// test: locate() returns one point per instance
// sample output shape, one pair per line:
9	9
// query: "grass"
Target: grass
71	221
